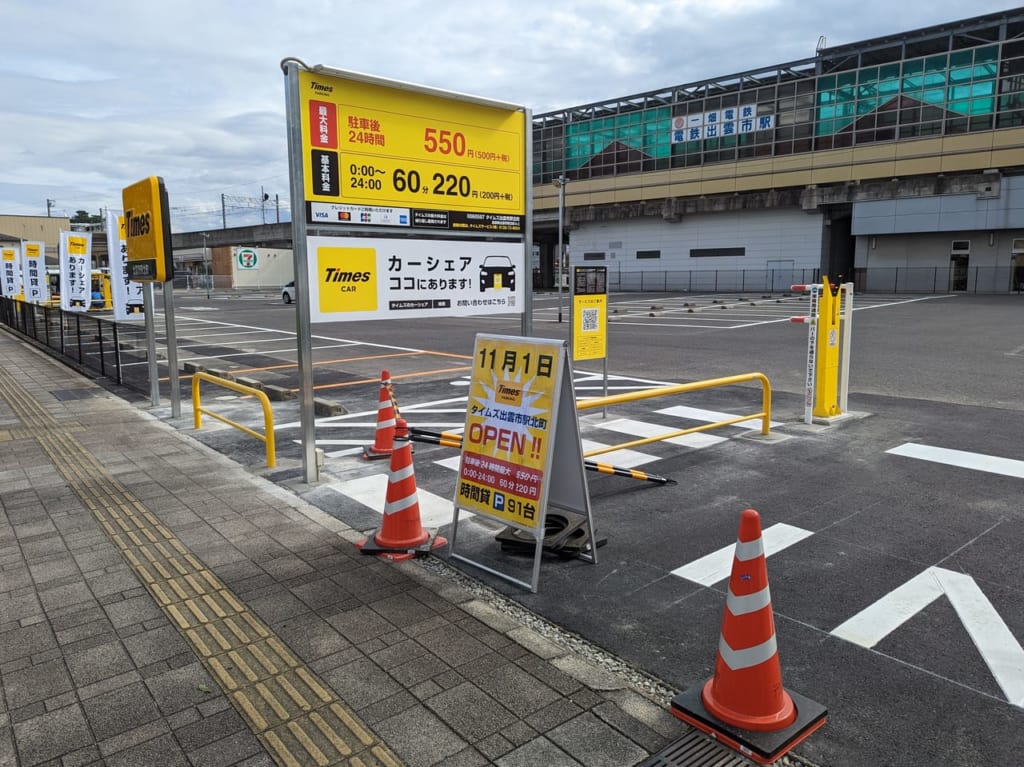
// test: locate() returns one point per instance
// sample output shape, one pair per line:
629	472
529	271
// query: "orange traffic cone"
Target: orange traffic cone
744	704
401	536
384	436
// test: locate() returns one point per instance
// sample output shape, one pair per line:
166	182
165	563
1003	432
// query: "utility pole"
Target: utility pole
206	264
223	213
49	206
277	206
560	182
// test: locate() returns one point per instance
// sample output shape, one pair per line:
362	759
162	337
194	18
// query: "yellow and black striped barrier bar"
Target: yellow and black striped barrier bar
618	471
450	439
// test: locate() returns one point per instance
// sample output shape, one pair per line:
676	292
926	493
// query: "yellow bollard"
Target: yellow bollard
826	390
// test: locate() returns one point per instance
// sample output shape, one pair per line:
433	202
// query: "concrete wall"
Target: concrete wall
274	269
45	229
769	236
945	213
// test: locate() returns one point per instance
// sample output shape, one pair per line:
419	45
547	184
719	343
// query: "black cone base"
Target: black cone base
762	747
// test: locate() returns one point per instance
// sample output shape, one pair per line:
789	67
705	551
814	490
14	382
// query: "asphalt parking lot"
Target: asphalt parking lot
893	534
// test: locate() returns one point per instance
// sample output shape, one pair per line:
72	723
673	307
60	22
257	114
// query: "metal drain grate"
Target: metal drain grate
65	395
695	749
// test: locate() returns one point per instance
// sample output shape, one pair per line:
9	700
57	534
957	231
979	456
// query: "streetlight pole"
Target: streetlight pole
560	182
206	265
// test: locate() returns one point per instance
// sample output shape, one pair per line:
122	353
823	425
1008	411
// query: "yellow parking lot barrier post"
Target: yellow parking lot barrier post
268	415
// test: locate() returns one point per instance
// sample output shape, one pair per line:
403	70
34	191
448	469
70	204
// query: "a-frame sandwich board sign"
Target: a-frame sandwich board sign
521	449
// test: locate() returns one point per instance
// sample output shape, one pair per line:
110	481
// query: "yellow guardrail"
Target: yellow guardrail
614	399
268	416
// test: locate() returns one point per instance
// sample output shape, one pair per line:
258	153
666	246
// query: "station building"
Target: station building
896	163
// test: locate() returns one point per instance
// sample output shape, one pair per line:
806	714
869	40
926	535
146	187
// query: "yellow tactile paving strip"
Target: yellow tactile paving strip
295	715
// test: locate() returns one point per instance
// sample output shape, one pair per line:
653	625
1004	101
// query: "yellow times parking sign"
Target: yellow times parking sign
148	231
369	144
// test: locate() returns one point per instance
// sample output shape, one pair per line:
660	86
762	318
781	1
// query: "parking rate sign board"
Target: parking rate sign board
379	154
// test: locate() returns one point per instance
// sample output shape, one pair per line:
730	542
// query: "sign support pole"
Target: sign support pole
172	349
526	322
846	318
154	370
307	413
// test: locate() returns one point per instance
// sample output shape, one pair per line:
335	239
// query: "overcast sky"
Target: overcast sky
97	95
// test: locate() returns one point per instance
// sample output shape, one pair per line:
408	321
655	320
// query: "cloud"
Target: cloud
97	96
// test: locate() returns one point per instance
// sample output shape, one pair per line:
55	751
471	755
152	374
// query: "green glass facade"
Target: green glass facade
961	80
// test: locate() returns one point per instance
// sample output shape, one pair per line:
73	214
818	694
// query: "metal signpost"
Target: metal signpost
408	202
150	259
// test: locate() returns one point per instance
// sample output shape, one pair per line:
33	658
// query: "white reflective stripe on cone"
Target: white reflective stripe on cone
748	603
747	657
747	550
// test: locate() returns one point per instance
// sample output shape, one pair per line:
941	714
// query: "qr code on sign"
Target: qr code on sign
511	300
591	318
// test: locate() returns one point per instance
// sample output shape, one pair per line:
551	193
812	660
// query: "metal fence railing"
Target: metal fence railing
939	279
114	350
909	279
710	280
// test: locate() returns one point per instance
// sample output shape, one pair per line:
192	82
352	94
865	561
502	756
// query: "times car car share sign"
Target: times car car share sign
391	278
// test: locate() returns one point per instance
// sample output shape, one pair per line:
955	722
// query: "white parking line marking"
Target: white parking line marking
626	459
977	461
372	491
712	568
712	416
643	430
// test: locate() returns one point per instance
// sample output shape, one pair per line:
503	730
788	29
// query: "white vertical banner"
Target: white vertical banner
33	271
125	294
75	271
10	276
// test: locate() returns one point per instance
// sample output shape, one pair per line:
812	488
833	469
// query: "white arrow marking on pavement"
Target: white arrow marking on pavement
998	647
717	565
977	461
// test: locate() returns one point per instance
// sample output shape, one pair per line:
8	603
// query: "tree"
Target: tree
84	217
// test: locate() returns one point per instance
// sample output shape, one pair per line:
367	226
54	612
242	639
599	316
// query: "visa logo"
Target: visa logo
320	214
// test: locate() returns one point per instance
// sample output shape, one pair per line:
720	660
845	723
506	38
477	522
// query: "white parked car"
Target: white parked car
288	292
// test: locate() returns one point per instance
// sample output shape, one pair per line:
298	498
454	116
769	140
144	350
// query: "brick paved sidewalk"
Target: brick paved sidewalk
161	605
